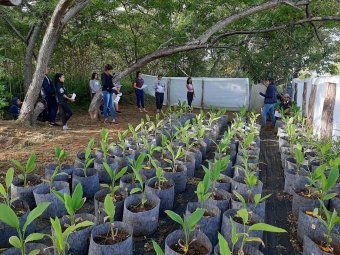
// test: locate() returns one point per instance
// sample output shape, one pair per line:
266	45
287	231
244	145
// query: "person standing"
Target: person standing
94	84
63	99
270	98
107	90
138	86
118	94
48	92
190	91
159	86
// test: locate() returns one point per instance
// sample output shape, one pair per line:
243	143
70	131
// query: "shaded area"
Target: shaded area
278	206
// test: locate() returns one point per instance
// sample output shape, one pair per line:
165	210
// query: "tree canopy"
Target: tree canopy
258	38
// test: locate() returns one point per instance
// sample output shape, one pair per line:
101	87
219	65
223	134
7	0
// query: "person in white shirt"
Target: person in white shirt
94	84
159	86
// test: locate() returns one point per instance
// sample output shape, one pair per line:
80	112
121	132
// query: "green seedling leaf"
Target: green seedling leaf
8	216
195	217
243	214
266	227
15	242
175	217
35	213
34	237
9	177
224	247
34	252
157	248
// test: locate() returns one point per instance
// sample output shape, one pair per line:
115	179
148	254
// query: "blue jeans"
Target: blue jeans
108	103
268	108
140	98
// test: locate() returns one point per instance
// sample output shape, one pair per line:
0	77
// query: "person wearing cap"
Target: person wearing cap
159	86
270	98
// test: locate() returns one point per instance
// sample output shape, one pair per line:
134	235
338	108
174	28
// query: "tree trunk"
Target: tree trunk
28	71
61	15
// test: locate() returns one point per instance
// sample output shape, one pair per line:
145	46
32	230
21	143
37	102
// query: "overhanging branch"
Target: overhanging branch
276	28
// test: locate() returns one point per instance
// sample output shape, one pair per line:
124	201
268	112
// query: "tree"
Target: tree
172	27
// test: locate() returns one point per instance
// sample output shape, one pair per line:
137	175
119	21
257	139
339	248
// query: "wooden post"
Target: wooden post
10	2
168	92
328	112
296	91
304	94
311	105
202	97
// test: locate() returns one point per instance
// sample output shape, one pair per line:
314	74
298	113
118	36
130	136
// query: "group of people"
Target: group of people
54	96
271	105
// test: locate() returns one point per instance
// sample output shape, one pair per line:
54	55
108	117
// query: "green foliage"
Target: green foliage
27	169
157	248
72	203
136	167
3	100
115	176
104	143
203	188
5	190
88	159
187	223
59	238
7	216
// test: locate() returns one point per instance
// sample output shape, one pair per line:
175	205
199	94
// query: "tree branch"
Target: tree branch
252	10
80	4
11	25
309	15
272	29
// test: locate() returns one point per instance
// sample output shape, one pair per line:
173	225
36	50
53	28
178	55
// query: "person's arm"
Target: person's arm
104	83
135	85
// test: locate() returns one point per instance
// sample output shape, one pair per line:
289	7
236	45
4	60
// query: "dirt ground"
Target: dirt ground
18	142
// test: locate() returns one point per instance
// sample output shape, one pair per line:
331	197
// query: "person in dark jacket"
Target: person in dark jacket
138	86
14	110
63	99
107	90
270	98
49	94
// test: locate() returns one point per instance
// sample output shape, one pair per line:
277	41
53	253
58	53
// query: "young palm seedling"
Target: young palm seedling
88	159
72	203
141	187
243	237
115	176
5	190
104	144
159	176
27	169
151	149
188	226
7	216
59	238
174	157
136	166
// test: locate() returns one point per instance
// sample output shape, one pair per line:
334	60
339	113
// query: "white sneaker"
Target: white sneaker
65	127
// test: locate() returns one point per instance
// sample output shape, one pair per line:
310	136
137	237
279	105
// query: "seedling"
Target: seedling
330	222
188	225
104	144
203	188
122	144
137	165
5	190
159	175
59	238
88	159
110	211
7	216
134	135
72	203
215	170
245	236
141	188
299	157
114	178
174	157
27	169
257	199
151	149
60	155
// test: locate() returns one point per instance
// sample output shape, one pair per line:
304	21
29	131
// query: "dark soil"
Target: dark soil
31	182
107	239
240	221
118	197
19	211
138	208
163	185
219	197
223	180
195	248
